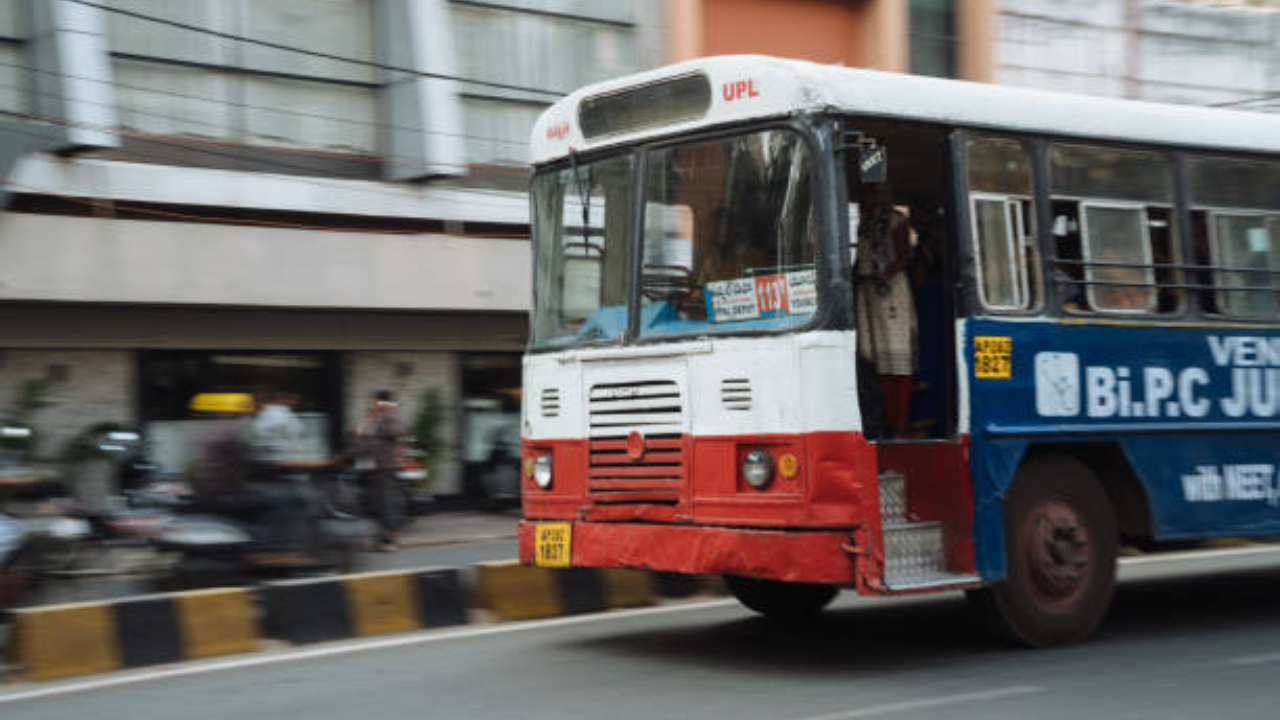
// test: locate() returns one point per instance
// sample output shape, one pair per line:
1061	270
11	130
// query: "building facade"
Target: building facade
192	206
327	196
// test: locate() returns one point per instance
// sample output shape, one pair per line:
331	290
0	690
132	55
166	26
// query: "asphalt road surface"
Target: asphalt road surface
1187	638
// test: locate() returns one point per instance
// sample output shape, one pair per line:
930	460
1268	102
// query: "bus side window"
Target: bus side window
1235	220
1004	250
1114	241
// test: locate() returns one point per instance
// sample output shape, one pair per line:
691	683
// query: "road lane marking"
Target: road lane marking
933	702
346	647
1255	659
1200	555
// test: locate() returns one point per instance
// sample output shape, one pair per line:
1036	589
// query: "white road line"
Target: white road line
345	648
933	702
1255	659
1200	554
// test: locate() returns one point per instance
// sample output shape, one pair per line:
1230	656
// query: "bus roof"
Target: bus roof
745	87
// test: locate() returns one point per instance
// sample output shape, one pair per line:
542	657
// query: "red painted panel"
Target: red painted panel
790	556
938	489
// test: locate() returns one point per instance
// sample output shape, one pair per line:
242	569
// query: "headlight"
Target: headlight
757	468
542	471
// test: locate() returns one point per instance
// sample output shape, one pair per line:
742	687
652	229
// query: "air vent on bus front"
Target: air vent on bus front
550	402
735	393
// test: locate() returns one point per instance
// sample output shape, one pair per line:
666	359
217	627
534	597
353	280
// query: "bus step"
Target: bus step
893	498
915	556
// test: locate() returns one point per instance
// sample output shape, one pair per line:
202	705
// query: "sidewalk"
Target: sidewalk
459	526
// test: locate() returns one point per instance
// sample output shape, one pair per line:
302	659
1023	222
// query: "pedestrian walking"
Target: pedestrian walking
375	451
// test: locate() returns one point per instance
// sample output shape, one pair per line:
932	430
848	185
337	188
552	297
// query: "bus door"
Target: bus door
900	202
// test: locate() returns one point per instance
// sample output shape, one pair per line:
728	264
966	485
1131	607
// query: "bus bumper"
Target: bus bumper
794	556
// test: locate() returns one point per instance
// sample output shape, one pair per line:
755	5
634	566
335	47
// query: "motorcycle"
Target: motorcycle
215	544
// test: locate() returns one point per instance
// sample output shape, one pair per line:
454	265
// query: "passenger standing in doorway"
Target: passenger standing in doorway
376	451
886	311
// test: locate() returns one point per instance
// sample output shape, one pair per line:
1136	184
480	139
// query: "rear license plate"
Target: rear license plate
552	544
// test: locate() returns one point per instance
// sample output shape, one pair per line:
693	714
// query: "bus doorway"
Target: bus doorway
903	259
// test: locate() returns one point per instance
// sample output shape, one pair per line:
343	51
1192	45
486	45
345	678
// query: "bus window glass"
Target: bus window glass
582	217
1083	171
1248	244
1115	250
999	166
999	174
1235	230
728	242
998	256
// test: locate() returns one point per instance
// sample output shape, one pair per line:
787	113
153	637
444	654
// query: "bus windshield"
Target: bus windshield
728	242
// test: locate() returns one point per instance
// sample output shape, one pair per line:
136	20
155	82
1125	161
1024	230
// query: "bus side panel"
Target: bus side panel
1195	412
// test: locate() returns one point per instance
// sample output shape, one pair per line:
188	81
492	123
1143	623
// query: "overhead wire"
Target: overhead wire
185	140
314	53
254	106
381	192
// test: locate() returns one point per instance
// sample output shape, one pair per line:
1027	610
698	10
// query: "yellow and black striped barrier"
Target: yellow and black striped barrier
307	611
57	641
519	592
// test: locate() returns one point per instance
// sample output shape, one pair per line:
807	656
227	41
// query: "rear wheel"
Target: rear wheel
781	600
1060	550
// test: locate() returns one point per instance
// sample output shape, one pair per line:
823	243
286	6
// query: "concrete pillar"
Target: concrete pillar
421	123
977	30
884	35
684	30
67	46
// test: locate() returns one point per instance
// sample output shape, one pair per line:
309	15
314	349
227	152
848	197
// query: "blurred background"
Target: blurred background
327	197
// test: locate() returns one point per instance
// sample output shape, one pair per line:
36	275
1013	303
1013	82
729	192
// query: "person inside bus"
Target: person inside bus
886	310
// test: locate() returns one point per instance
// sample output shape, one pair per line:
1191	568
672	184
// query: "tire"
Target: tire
1060	552
781	600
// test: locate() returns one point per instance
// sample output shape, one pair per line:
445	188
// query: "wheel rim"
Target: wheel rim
1056	551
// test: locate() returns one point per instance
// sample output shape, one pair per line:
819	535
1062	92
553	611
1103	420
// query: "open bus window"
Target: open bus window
999	174
1235	224
1250	246
1115	250
1117	253
583	216
728	241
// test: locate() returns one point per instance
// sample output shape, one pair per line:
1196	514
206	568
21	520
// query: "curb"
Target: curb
60	641
335	608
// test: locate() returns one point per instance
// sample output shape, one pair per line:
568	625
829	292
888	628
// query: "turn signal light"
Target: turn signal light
788	466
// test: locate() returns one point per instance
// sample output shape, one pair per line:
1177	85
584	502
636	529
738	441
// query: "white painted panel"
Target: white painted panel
798	383
106	179
54	258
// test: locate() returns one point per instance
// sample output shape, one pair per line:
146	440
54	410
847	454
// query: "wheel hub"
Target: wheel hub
1056	545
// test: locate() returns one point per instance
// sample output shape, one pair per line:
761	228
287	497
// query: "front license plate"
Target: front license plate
552	544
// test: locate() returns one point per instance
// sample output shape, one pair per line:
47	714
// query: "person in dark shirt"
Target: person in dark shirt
375	449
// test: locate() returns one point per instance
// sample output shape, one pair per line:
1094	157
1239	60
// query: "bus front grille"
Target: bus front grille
636	443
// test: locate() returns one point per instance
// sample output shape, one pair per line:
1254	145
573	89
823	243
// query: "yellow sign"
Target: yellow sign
992	357
552	544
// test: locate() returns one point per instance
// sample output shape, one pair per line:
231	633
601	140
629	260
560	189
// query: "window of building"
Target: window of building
171	81
1115	248
1002	213
1235	225
932	37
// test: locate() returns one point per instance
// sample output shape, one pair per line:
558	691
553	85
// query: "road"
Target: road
1198	645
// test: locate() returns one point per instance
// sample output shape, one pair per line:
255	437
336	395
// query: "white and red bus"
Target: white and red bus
1095	286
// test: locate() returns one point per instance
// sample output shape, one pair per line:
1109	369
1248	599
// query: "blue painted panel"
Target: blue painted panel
1196	411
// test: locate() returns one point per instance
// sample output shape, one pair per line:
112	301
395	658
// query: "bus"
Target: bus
1078	305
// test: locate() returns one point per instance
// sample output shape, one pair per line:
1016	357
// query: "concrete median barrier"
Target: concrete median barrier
519	592
58	641
316	610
